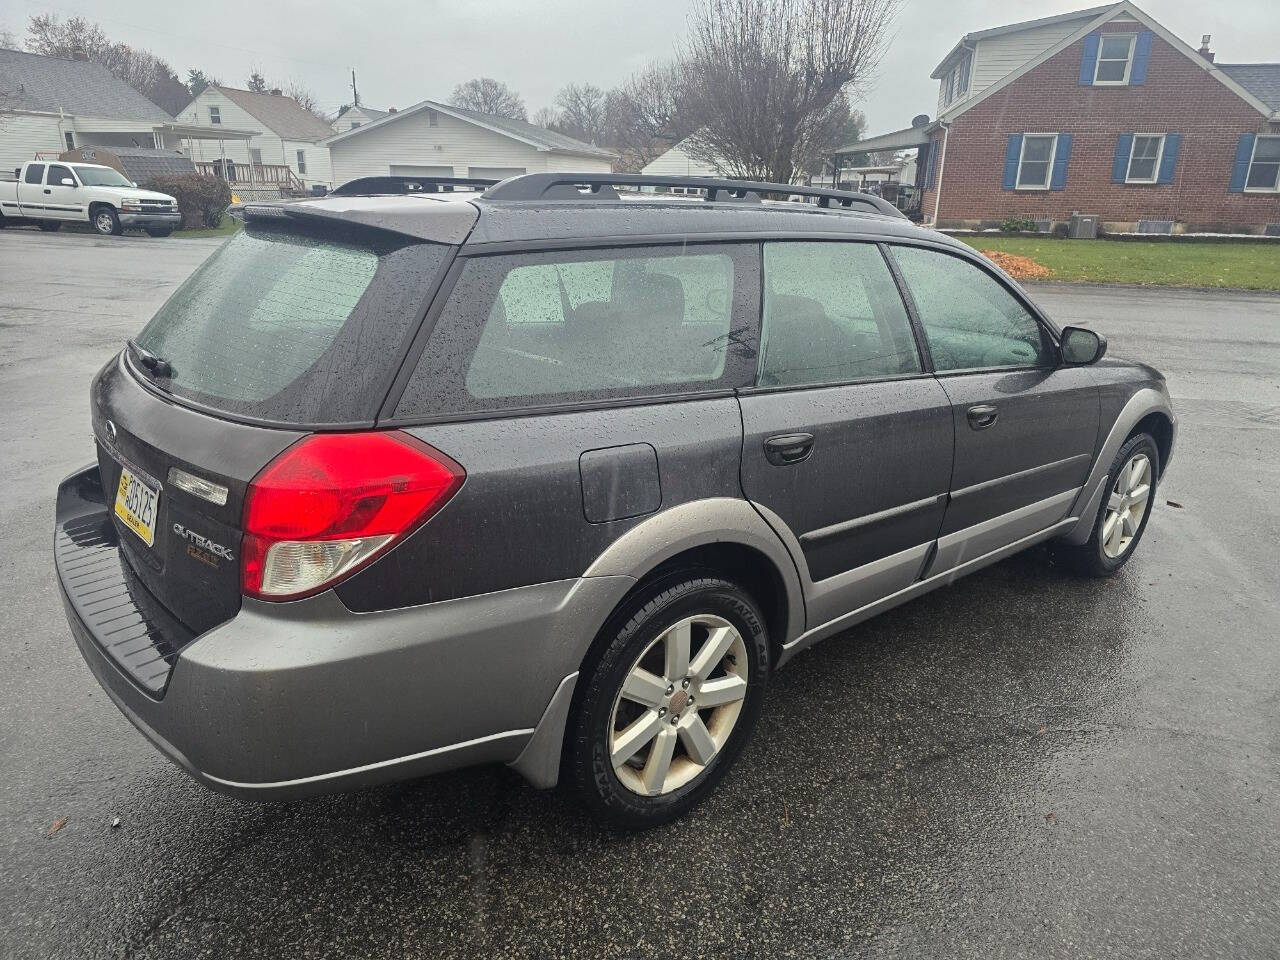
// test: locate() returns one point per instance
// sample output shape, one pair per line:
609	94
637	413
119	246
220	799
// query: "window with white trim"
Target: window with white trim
215	115
302	161
1035	163
1264	166
1144	158
1115	59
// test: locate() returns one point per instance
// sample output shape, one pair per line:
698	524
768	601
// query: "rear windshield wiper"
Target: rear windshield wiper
156	366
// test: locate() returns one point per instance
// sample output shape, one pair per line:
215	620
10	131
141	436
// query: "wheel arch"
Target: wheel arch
1160	426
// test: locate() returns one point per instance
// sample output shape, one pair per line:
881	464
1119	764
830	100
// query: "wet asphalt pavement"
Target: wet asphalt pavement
1023	765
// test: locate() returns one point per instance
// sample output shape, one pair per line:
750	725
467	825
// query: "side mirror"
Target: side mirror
68	182
1081	346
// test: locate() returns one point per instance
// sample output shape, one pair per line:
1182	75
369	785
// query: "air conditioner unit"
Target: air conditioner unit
1155	226
1082	227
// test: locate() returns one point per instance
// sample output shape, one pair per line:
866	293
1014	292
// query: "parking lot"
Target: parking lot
1022	765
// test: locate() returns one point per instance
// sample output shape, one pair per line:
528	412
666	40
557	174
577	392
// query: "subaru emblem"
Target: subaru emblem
110	429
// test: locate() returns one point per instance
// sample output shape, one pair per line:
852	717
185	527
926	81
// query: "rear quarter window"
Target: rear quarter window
294	325
540	329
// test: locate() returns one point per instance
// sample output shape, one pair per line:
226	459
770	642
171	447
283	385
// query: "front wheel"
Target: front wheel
107	222
159	231
668	704
1123	517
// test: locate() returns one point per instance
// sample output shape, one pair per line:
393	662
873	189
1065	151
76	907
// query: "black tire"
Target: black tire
587	769
1090	559
50	226
159	231
106	222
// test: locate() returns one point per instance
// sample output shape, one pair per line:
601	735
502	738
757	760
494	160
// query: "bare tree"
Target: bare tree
306	99
8	39
645	116
582	112
545	118
141	69
486	95
760	77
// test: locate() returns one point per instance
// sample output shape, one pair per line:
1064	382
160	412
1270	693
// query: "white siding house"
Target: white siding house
437	139
356	116
289	135
677	163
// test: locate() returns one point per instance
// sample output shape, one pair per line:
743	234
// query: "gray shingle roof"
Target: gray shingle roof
1260	79
29	81
142	163
282	115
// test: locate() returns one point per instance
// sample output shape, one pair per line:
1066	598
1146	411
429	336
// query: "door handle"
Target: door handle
788	448
47	190
983	416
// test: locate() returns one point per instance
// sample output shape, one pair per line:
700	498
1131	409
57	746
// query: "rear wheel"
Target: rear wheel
50	226
1123	517
106	221
669	702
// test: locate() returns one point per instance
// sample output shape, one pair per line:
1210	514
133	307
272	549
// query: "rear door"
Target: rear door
31	190
1025	426
847	439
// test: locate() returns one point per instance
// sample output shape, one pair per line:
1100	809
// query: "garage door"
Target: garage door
413	170
494	173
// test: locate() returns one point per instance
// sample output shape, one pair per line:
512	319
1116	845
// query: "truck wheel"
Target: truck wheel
50	226
159	231
106	222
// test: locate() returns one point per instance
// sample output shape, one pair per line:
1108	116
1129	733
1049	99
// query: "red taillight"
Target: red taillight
332	502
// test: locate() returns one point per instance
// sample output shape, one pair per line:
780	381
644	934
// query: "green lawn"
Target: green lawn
1250	266
224	229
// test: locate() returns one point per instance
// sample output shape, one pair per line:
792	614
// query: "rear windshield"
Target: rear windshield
293	325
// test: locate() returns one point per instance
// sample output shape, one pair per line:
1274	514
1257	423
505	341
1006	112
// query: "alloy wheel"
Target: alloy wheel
677	707
104	222
1126	506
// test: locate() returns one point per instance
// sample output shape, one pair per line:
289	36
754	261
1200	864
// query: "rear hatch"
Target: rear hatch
290	327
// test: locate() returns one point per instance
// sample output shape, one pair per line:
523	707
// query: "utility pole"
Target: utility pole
355	94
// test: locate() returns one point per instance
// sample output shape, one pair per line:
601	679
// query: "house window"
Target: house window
1264	167
1036	160
354	124
433	119
962	81
71	139
1144	157
255	155
1115	59
948	85
302	161
215	115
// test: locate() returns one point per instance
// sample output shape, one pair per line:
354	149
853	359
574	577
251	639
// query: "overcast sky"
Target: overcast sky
414	50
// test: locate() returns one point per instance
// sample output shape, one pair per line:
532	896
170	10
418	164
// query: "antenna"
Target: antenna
355	94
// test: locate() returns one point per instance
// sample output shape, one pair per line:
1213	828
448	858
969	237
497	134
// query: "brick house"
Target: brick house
1104	112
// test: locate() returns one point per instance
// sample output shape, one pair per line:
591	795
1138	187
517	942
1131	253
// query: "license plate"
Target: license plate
137	504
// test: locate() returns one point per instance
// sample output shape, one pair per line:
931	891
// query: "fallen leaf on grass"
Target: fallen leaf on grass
1050	818
57	825
1020	268
1174	503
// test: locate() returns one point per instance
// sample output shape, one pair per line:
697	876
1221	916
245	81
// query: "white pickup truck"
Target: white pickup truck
53	193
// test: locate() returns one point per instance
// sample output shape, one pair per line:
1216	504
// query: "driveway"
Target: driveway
1023	765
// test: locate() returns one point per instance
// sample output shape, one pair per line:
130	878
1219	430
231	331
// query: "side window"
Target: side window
57	174
832	314
970	320
536	329
34	174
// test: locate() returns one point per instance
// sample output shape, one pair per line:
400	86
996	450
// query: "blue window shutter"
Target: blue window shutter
1089	62
1169	159
1120	169
1141	50
1011	155
1244	153
1058	178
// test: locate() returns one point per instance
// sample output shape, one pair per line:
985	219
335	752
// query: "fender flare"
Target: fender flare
1146	401
701	523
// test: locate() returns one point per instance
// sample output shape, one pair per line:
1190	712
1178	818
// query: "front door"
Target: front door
62	202
847	441
1025	426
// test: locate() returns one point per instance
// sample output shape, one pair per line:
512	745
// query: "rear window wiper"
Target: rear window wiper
156	366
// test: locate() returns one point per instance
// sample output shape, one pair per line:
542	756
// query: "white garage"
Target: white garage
436	139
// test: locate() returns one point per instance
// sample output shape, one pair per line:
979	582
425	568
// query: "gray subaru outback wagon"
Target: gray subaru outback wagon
431	473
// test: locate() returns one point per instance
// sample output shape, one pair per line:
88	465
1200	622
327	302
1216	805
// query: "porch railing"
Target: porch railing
253	174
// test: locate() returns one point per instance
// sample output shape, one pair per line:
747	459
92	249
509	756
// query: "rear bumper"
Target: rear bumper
292	699
151	219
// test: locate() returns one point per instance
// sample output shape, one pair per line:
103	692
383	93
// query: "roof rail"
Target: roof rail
364	186
600	186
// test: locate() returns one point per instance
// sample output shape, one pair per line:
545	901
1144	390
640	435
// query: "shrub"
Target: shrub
1060	230
202	199
1017	225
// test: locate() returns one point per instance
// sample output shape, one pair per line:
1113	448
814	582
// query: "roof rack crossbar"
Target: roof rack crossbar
600	186
365	186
